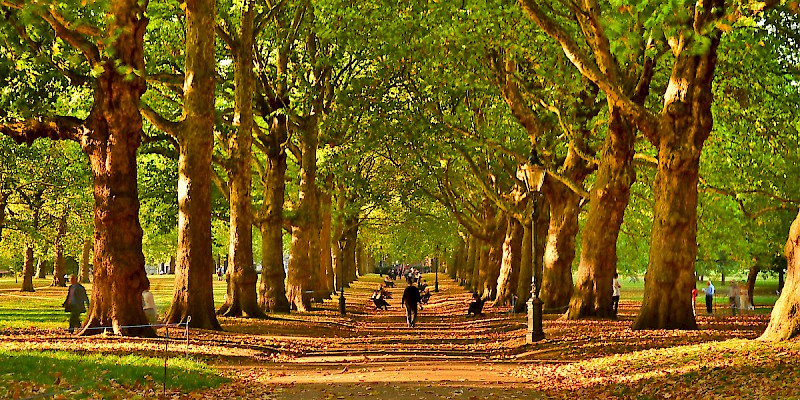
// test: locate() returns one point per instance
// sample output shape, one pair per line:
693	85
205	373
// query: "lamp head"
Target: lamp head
534	172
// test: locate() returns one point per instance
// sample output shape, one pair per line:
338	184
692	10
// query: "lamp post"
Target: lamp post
436	260
342	301
534	179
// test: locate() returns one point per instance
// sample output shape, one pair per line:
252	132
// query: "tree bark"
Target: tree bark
58	261
523	291
41	268
193	295
685	124
608	199
84	269
469	266
304	224
752	275
272	294
243	300
508	278
325	260
784	322
27	270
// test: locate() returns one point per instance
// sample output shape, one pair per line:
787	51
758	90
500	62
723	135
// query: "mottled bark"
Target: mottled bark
684	126
784	322
523	290
193	294
508	277
27	270
609	197
495	258
83	274
304	225
41	268
272	293
59	263
325	257
469	266
242	300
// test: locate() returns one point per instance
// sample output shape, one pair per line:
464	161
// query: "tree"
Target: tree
109	135
193	295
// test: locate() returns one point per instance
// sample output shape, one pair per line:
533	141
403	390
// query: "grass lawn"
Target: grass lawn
64	374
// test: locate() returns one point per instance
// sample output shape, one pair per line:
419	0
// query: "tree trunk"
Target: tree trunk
41	268
27	270
752	275
115	128
304	224
58	261
507	280
784	323
684	127
525	269
243	300
325	261
272	294
172	265
193	295
84	269
479	269
608	199
469	266
495	259
348	244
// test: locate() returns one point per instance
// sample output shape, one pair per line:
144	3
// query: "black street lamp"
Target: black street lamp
436	265
342	301
534	179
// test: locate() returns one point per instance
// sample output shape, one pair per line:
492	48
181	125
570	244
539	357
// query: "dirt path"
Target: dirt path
374	354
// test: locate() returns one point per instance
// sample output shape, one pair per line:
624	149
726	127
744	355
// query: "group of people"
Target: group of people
77	301
738	297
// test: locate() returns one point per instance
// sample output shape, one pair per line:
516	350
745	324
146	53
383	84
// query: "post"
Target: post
436	280
535	304
534	174
342	301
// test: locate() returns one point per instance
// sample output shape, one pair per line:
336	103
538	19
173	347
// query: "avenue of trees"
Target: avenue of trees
346	134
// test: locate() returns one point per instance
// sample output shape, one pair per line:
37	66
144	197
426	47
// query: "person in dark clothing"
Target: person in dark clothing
411	298
76	303
476	305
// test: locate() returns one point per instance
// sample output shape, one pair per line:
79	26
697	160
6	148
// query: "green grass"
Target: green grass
25	372
42	308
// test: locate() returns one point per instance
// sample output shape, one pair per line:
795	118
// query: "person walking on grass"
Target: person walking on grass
709	291
411	298
76	303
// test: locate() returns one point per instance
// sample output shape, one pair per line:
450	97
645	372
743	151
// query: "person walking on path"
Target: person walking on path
149	304
709	291
411	298
75	303
617	287
694	301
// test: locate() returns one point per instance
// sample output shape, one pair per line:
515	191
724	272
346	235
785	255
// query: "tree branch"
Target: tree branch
55	128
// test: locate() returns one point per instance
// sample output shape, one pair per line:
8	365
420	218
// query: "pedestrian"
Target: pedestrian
733	297
709	291
411	298
75	303
617	287
694	301
149	303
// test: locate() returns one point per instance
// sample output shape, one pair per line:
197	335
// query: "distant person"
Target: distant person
616	289
411	298
149	304
709	291
75	303
475	305
694	301
733	297
387	280
379	300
